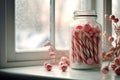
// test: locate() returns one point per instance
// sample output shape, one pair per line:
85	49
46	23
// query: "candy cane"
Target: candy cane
79	57
77	50
93	44
72	50
84	45
85	48
88	39
90	48
77	42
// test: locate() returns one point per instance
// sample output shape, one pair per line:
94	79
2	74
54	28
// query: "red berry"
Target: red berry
117	61
105	70
90	61
65	60
111	39
116	55
79	27
96	29
108	56
64	67
103	54
48	67
111	17
113	66
115	20
117	70
111	48
87	27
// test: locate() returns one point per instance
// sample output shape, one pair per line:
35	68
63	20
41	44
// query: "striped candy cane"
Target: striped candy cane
73	54
78	49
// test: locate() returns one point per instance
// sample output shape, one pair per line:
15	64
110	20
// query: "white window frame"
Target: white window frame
8	56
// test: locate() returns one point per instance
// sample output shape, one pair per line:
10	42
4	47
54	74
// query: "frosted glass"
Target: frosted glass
116	12
63	17
31	23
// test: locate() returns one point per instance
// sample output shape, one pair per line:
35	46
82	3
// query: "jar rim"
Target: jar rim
91	13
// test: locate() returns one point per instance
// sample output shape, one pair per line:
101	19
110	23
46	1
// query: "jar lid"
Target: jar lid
91	13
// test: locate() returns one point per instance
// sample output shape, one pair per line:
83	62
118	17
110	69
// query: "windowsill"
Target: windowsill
39	73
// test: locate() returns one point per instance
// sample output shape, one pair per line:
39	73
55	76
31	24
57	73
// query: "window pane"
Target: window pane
64	15
31	23
116	12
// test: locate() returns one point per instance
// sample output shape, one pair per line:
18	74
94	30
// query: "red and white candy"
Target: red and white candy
63	67
85	43
64	63
48	66
117	70
110	39
65	60
105	70
90	61
117	61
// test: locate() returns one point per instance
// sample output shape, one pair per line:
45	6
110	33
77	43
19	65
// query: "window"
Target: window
28	24
12	24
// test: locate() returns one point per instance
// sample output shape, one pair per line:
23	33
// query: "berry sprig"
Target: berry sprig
113	55
52	52
63	64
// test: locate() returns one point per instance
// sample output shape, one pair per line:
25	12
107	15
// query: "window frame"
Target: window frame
10	34
8	57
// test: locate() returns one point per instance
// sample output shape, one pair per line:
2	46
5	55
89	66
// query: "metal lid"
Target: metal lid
91	13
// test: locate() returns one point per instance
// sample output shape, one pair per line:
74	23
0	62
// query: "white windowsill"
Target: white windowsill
56	73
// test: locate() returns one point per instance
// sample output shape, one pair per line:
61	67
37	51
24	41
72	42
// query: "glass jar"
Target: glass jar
85	41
